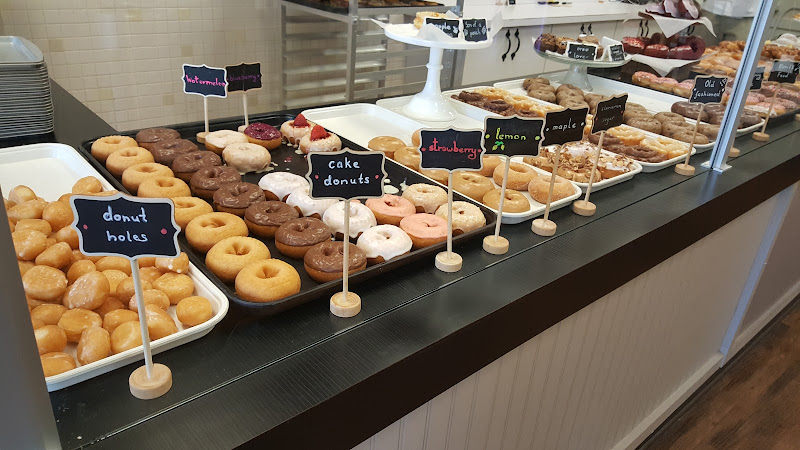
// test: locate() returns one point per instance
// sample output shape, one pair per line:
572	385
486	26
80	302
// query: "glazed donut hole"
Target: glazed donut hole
126	336
32	209
177	286
87	185
36	323
177	265
44	283
58	215
163	187
50	338
114	263
94	345
114	277
126	289
74	321
56	363
159	323
150	297
34	224
69	235
49	313
89	291
79	268
194	310
21	194
110	303
58	255
25	266
150	274
117	317
147	261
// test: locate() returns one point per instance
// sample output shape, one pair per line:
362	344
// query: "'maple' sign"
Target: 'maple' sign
564	126
120	225
451	149
512	136
346	174
204	80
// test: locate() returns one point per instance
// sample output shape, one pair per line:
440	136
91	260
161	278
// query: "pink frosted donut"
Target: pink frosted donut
390	209
424	229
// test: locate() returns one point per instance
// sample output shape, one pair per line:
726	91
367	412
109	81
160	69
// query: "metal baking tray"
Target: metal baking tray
289	159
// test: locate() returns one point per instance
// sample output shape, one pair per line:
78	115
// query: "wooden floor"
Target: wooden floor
752	403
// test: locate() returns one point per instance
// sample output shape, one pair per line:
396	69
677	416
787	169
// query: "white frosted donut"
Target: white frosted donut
384	241
281	184
300	200
224	138
246	157
361	218
426	197
466	216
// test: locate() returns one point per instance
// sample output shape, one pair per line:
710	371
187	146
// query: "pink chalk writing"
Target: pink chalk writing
472	153
197	80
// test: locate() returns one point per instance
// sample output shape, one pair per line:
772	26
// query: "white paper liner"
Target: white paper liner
662	65
671	26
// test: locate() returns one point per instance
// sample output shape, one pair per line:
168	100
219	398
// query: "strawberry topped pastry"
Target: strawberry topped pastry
294	130
319	140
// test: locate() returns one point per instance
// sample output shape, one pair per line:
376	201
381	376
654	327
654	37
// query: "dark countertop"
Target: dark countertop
306	379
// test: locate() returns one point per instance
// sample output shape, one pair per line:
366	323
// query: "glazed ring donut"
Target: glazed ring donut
519	175
204	231
646	124
686	136
123	158
133	176
539	187
513	203
408	156
669	117
177	286
669	146
105	146
187	208
439	176
386	144
230	255
163	187
425	197
267	281
490	162
466	217
472	185
424	229
628	135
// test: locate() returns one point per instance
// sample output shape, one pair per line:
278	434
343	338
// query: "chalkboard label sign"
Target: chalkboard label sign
243	77
708	89
564	126
204	80
581	51
449	26
125	226
616	52
784	71
475	30
512	136
346	174
758	78
609	113
451	149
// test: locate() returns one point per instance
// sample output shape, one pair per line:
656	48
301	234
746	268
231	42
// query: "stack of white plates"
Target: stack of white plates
26	107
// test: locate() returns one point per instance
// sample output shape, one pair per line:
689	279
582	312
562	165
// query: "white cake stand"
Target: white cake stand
430	104
576	74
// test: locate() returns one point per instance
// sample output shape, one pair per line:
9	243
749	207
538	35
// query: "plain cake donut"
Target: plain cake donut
519	175
267	280
466	217
426	198
123	158
105	146
204	231
230	255
513	203
134	175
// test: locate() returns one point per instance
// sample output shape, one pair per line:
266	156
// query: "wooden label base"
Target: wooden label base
448	263
735	152
684	169
543	228
496	245
201	137
345	307
149	388
241	128
797	117
760	137
583	208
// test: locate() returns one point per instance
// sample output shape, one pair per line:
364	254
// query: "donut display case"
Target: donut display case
290	160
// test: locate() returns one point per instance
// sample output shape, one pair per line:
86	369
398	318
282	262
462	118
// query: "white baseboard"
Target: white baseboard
668	406
751	331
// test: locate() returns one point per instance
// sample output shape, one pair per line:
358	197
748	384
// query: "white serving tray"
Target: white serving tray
604	183
655	167
360	122
51	170
461	121
409	34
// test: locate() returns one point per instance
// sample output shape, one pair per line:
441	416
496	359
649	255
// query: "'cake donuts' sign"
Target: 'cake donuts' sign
346	174
120	225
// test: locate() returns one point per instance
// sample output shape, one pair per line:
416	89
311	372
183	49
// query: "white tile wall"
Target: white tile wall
123	58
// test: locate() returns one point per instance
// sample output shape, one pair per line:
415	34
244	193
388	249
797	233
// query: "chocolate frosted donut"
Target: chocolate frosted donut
499	106
607	140
748	119
184	166
146	138
167	150
296	236
325	261
639	153
207	180
469	97
646	124
689	110
264	217
234	198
